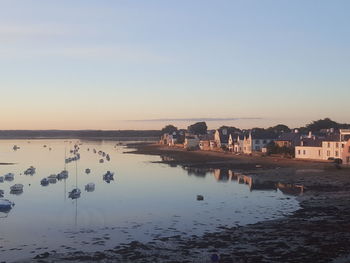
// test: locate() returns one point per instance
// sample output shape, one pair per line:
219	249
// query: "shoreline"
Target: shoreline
317	232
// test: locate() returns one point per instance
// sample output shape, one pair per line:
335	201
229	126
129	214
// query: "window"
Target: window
336	153
329	145
257	141
304	152
298	152
337	145
349	149
319	152
264	141
257	148
328	153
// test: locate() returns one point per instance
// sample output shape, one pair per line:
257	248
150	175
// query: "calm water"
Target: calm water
145	201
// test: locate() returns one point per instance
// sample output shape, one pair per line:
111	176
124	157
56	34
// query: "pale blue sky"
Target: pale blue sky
93	64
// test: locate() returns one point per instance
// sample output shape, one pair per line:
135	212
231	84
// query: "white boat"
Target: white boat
6	205
90	187
17	188
9	176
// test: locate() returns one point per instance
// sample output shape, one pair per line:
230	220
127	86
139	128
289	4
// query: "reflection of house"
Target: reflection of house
222	175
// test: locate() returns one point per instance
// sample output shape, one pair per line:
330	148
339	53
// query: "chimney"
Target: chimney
310	134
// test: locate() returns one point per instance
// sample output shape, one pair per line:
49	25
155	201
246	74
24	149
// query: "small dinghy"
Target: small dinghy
1	179
44	182
101	161
2	193
6	205
9	176
30	171
108	158
15	147
17	188
108	177
87	170
75	193
62	175
90	187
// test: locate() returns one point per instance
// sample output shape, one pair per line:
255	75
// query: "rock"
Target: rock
200	198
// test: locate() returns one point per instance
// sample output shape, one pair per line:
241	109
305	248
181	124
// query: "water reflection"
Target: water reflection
226	175
147	203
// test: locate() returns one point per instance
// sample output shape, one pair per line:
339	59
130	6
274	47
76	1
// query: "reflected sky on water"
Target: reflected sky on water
145	201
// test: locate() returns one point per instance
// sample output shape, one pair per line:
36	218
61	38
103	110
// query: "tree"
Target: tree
198	128
230	129
326	123
279	129
169	129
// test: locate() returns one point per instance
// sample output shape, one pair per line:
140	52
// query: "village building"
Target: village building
191	142
289	139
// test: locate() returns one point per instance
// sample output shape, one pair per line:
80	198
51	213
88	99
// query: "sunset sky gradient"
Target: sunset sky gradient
101	64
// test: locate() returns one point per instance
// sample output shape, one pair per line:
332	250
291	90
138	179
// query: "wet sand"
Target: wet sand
318	232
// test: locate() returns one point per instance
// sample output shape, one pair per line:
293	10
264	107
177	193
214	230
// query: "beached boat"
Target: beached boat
1	179
15	147
90	187
17	188
30	171
9	176
44	182
101	161
108	158
2	192
87	170
6	205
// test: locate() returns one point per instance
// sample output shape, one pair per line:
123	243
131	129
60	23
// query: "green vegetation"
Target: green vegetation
198	128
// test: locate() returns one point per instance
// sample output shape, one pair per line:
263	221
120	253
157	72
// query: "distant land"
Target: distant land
122	135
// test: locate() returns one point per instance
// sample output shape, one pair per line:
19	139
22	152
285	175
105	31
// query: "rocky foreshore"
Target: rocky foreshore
317	232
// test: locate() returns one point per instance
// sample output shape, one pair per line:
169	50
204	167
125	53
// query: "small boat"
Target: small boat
30	171
108	177
9	176
44	182
87	170
94	150
6	205
108	158
15	147
52	176
62	175
16	188
1	179
101	161
103	154
90	187
75	193
2	193
52	180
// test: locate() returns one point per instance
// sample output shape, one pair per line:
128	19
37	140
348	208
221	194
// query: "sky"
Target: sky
132	64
